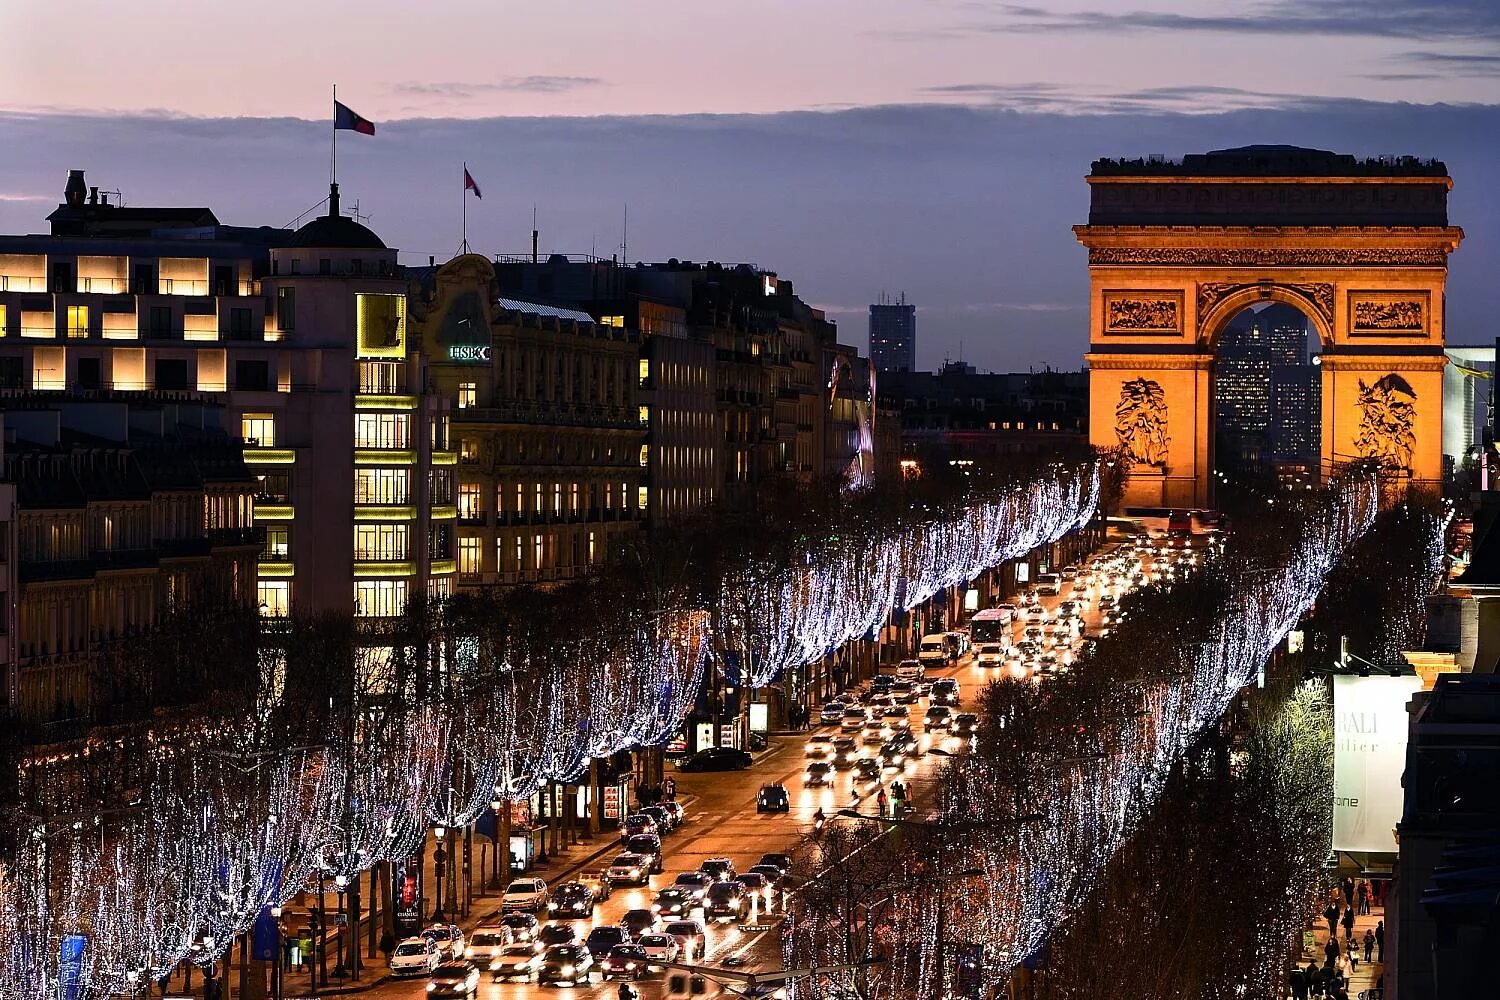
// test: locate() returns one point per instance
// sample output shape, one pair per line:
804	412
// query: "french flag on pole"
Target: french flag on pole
345	118
469	184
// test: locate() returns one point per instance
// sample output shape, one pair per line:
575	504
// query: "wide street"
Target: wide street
722	820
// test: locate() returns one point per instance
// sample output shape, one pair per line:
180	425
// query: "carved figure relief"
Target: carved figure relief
1142	314
1318	294
1387	421
1398	315
1141	422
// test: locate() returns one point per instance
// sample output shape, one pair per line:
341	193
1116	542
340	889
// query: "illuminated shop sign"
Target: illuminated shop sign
469	353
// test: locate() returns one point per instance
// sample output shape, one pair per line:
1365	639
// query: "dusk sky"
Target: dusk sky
851	145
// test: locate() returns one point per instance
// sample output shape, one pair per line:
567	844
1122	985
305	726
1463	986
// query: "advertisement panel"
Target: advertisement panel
406	879
1369	755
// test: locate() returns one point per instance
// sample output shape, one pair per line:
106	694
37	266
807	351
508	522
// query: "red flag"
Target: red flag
469	184
344	117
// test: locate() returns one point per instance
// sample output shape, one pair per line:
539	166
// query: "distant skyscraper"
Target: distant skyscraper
893	335
1266	394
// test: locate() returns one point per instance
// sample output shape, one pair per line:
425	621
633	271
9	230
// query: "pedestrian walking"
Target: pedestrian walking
1348	923
1331	951
1331	914
1380	941
880	801
1310	977
1364	898
1298	983
1369	943
670	787
1348	886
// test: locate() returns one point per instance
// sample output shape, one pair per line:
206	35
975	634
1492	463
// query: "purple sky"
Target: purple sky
852	145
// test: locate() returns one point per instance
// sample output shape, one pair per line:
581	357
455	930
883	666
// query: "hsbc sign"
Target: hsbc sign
469	354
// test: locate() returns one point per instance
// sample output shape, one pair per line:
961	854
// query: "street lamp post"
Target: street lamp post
340	886
439	864
277	958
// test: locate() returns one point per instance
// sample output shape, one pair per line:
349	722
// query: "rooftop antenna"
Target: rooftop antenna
533	232
625	237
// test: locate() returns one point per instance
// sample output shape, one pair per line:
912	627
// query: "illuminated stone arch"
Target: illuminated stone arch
1177	249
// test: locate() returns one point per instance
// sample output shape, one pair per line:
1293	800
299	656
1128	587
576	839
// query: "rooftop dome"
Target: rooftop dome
335	231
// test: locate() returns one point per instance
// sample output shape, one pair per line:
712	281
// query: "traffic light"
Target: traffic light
971	970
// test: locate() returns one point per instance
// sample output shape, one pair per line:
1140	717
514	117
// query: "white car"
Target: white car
415	956
487	942
516	961
449	938
820	745
660	947
989	654
528	894
632	869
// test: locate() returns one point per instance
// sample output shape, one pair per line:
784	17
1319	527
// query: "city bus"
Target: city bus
989	631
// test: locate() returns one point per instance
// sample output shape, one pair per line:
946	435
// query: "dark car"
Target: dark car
717	759
666	819
893	754
867	769
720	869
557	934
771	873
566	963
726	901
944	691
780	861
573	899
773	798
637	823
625	961
882	682
523	926
647	845
639	922
819	772
602	939
905	692
455	979
696	883
675	901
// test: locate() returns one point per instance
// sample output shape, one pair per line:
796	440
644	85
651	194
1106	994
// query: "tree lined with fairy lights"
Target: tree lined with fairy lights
1061	777
332	746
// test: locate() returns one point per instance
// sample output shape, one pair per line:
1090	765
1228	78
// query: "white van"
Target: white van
1049	584
935	650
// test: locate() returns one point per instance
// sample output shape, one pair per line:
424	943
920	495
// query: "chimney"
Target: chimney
74	192
333	201
93	196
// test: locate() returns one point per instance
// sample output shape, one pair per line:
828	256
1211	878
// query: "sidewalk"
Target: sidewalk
1367	975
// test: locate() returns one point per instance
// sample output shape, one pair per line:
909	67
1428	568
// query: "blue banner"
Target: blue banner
487	823
70	966
265	937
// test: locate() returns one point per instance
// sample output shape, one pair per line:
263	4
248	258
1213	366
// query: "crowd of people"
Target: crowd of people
1341	957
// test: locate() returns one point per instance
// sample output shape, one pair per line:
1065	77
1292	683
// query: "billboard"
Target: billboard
1369	755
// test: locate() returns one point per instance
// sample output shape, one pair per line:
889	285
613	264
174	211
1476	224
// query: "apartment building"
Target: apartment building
300	335
546	423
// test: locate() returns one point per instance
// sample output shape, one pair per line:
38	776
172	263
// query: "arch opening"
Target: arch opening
1265	400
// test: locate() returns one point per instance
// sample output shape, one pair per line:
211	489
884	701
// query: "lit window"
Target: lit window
520	552
468	555
556	498
539	506
382	430
258	430
379	598
520	499
615	321
536	550
591	547
645	455
468	450
78	321
381	542
274	597
467	393
645	415
641	495
468	501
278	543
645	373
382	486
573	498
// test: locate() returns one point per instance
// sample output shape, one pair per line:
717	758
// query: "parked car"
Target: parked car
661	947
720	869
415	956
625	961
565	964
487	942
572	899
690	935
630	869
602	939
678	811
832	712
773	798
522	926
666	820
449	938
529	894
637	823
517	961
454	980
717	759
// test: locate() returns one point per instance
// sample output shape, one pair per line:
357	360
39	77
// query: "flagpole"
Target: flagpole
463	192
333	161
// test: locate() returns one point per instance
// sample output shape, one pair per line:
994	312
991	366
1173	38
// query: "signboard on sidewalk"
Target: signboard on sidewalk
1369	756
611	801
406	886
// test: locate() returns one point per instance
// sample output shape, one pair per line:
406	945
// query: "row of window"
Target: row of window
156	322
539	550
545	498
372	598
